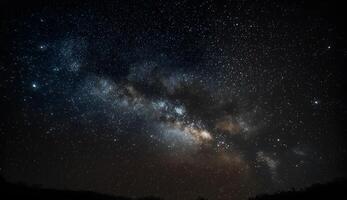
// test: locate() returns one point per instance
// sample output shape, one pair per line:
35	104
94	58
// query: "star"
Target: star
315	102
42	47
179	110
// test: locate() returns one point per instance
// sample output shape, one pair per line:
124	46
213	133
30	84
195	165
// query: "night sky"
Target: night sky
176	99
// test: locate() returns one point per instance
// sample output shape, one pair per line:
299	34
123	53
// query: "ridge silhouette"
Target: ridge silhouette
22	191
331	190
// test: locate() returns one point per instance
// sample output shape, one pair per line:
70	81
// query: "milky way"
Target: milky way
172	99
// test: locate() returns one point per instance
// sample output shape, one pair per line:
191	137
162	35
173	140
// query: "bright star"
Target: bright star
43	47
179	110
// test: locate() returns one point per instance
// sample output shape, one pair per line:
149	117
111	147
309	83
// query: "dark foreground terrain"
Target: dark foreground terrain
332	190
20	191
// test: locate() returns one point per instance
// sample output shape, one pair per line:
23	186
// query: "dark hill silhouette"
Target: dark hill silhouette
334	190
21	191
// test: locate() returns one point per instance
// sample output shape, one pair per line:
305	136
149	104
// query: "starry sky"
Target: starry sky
176	99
